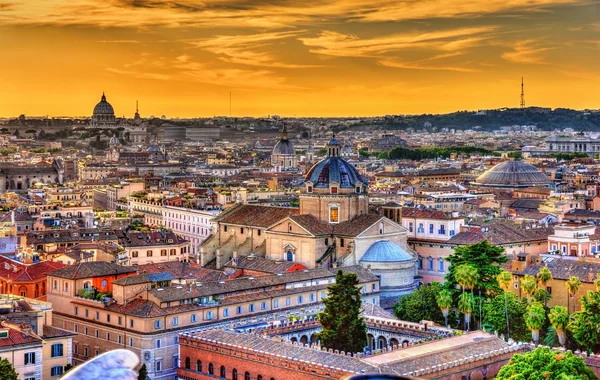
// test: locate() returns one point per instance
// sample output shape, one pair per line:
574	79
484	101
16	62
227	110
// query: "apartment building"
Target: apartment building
191	224
154	247
147	312
152	210
121	191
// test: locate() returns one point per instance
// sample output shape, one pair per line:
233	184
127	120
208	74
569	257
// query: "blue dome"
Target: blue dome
385	251
334	169
103	108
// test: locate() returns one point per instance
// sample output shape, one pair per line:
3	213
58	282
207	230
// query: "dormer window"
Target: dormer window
358	189
309	189
334	190
334	216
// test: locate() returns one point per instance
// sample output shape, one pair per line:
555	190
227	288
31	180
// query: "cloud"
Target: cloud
267	14
429	64
345	45
250	49
139	74
526	52
119	42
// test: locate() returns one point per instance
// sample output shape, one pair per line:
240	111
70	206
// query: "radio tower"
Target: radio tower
522	93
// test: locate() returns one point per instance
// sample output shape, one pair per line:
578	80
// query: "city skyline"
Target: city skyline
360	58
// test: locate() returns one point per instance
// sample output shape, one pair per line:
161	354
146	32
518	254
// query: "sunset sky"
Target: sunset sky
325	58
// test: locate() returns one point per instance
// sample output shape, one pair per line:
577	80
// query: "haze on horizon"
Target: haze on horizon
181	58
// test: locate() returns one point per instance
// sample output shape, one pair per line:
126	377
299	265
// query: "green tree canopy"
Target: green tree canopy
535	317
7	371
344	328
494	316
559	319
143	372
585	324
545	364
420	305
486	258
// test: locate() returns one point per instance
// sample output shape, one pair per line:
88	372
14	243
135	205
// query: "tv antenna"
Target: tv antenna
522	93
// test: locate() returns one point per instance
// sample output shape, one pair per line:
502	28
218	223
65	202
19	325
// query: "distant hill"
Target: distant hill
543	118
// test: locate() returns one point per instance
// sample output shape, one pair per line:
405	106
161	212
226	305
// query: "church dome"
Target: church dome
153	149
384	251
284	146
104	108
512	174
334	169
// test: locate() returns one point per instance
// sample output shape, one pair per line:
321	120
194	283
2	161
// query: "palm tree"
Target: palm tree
543	277
559	319
597	282
444	302
528	285
466	275
465	305
572	287
534	319
504	280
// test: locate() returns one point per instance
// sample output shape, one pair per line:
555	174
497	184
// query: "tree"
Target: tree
543	277
496	310
466	276
559	319
7	371
143	372
535	317
344	328
444	302
585	324
486	258
465	305
504	279
572	288
420	305
545	363
528	284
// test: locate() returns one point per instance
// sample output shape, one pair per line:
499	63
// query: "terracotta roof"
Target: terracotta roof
562	268
144	239
54	332
17	337
19	272
312	224
91	269
255	216
501	232
261	264
356	226
138	308
183	270
19	217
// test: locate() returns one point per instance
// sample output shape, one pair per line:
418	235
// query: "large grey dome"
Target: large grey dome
512	174
284	147
384	251
104	108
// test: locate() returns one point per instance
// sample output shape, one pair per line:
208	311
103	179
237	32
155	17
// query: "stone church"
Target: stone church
331	228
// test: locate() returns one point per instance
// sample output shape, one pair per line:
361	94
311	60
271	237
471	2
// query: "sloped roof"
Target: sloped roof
91	269
255	216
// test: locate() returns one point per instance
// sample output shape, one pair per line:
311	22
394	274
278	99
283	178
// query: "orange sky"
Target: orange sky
326	58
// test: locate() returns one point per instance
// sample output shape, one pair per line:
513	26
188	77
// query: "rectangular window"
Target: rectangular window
120	320
240	309
251	308
175	339
107	336
226	312
421	229
97	333
333	215
75	310
287	301
158	343
275	304
148	253
157	324
85	352
420	263
131	342
312	297
56	371
193	319
57	350
158	366
209	315
300	299
441	265
29	358
86	330
119	339
410	227
163	252
134	254
430	264
75	328
263	306
108	318
97	315
131	323
175	321
87	313
431	228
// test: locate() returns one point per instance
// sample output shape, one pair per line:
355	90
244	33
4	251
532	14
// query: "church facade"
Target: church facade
331	228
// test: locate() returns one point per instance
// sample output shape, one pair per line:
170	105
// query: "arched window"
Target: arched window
234	374
199	366
86	285
223	372
259	377
290	227
211	369
187	363
103	284
247	376
380	228
289	256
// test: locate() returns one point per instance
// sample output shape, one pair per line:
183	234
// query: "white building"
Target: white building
192	225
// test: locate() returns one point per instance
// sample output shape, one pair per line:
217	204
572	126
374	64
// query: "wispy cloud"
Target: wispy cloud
527	51
345	45
250	49
119	41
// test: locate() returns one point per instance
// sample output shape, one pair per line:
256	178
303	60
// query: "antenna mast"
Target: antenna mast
229	103
522	93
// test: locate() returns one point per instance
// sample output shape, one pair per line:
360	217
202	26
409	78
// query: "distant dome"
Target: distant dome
103	112
512	174
334	169
153	149
384	251
284	147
